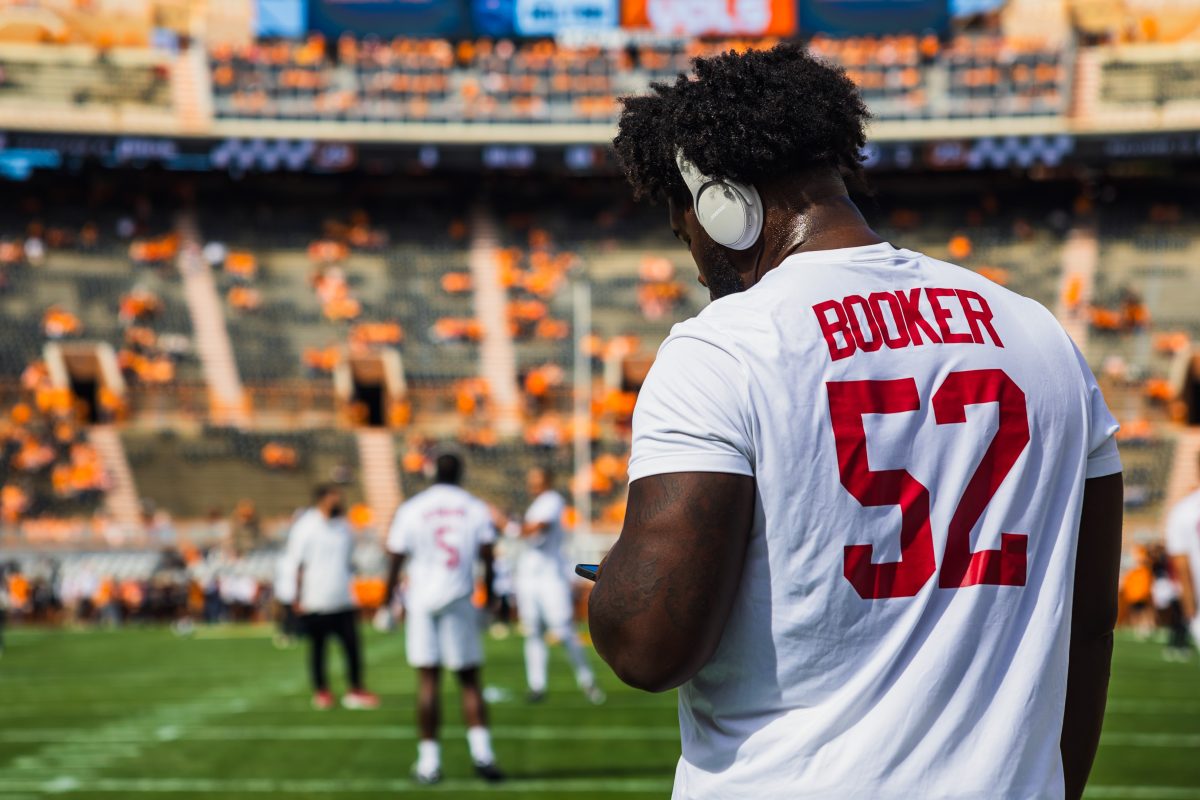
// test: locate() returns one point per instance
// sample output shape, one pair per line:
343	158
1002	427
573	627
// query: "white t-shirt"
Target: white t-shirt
440	530
323	547
1183	534
542	556
836	677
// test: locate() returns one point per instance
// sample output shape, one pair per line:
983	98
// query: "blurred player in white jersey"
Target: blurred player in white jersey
874	518
442	533
1183	547
319	551
544	589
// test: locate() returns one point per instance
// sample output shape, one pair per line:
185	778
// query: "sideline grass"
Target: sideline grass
144	714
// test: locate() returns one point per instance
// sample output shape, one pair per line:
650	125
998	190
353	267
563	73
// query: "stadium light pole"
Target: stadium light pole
582	297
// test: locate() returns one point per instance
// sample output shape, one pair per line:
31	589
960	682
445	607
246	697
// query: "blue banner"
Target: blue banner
542	17
389	17
866	17
283	18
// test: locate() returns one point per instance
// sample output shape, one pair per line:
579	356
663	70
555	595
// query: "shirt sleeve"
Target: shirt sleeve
297	544
1103	457
546	509
692	413
397	539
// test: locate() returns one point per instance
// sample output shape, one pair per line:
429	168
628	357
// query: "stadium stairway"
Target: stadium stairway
497	355
191	91
1086	83
1080	256
1183	478
380	478
121	500
227	400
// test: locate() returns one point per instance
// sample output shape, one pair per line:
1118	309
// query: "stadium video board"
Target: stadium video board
390	17
864	17
284	18
711	17
542	17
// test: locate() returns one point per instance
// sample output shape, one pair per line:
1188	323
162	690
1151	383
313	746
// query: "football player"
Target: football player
544	589
441	533
874	518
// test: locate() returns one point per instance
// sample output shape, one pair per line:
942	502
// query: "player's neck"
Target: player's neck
827	223
831	223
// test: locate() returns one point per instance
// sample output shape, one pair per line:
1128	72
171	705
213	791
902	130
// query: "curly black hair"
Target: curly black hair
744	116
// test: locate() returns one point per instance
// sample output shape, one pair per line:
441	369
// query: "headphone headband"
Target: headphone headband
693	178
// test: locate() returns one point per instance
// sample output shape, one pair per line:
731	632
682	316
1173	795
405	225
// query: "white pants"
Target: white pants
544	604
446	638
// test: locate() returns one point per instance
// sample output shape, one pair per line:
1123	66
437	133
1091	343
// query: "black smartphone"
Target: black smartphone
587	571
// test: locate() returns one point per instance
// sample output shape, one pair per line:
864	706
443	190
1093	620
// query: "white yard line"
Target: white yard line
219	787
182	727
1144	792
183	731
556	786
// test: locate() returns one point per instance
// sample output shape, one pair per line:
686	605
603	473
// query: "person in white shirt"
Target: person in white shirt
320	546
544	589
873	530
442	533
1183	548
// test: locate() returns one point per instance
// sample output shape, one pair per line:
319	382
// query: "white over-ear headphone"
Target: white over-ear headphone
729	211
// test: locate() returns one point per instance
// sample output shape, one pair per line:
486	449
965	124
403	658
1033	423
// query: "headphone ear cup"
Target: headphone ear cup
723	214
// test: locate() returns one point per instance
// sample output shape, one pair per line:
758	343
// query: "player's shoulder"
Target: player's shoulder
414	502
306	521
721	325
964	278
475	504
1034	318
1186	508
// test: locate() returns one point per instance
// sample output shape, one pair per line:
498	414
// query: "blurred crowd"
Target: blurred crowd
373	79
47	464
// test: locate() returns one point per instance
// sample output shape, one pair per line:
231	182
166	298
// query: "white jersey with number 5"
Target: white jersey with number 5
919	438
440	530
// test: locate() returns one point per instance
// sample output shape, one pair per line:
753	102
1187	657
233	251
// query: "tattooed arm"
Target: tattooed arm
664	592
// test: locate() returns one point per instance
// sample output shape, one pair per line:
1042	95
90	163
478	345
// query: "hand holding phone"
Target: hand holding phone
589	571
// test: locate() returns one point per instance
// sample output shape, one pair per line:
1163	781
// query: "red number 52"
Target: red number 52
848	401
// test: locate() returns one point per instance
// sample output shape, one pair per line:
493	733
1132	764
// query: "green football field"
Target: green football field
143	713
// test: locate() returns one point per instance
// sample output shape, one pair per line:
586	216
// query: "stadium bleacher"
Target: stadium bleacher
902	77
129	78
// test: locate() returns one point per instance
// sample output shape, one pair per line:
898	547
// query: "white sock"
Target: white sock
583	671
429	756
480	742
536	654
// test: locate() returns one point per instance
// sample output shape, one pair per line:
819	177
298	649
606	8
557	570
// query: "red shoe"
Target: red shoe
323	700
360	701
